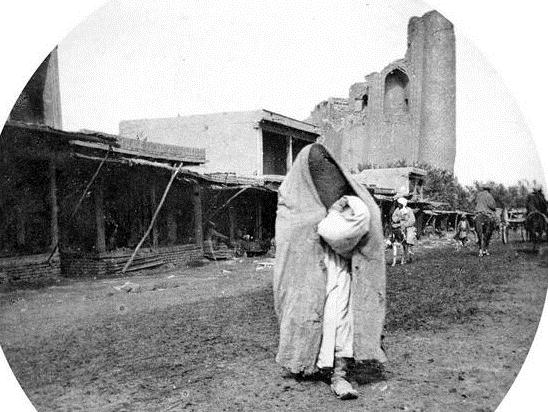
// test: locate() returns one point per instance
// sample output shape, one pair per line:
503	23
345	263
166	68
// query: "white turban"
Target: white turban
402	201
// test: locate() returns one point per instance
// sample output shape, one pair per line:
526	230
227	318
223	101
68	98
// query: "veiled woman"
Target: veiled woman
329	297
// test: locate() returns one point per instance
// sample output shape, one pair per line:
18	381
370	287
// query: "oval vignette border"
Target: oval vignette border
509	38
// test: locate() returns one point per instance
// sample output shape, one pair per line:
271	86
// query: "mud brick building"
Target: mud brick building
406	181
404	112
111	221
76	203
253	149
31	156
252	143
30	147
88	198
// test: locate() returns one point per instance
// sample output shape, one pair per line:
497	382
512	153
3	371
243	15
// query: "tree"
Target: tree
443	186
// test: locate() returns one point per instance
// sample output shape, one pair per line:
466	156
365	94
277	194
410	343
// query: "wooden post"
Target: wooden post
153	189
171	227
54	207
260	154
232	223
258	217
162	200
84	194
289	159
100	243
225	204
198	224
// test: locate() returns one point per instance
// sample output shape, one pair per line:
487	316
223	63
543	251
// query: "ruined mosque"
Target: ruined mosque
405	112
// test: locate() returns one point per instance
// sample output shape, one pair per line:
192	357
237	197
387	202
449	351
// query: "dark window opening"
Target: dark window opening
396	100
274	153
361	103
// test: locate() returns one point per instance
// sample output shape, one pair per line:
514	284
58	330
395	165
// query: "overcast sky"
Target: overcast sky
156	58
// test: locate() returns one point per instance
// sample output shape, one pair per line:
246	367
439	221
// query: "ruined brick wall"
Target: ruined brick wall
231	140
437	138
40	100
404	112
330	116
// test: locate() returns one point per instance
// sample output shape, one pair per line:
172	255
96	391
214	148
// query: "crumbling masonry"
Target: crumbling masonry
405	112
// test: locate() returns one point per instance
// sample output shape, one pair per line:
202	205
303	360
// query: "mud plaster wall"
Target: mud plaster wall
404	112
230	139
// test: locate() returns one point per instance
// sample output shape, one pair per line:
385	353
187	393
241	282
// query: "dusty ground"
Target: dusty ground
204	338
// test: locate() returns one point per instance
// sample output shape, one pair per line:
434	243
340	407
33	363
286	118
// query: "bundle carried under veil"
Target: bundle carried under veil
345	224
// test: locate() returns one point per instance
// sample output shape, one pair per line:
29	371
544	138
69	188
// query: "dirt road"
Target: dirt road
458	329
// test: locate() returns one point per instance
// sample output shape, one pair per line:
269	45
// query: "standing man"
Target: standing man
485	207
405	218
536	202
485	202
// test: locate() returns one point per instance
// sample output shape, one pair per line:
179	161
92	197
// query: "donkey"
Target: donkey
397	239
536	225
485	226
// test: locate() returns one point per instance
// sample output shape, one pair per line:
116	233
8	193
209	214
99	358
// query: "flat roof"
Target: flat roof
290	122
85	136
150	150
407	169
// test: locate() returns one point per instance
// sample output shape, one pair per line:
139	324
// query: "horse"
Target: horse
536	224
397	239
485	225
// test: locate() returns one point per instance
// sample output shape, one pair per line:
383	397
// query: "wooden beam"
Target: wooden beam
162	200
139	162
225	204
288	131
153	191
232	223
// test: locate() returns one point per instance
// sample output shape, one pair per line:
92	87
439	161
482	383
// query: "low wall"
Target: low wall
28	270
90	264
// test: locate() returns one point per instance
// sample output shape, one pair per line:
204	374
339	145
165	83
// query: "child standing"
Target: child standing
463	229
